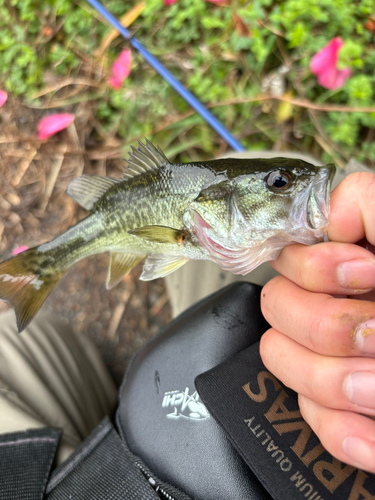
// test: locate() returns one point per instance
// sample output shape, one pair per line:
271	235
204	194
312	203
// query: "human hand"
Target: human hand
322	340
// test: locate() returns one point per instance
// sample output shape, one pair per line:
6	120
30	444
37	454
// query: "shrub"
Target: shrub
228	54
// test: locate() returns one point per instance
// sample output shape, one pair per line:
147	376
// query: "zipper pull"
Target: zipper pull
154	485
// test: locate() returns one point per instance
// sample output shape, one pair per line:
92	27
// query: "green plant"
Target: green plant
224	54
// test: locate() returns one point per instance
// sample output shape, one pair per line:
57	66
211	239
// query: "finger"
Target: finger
339	383
335	268
367	296
320	322
352	214
348	436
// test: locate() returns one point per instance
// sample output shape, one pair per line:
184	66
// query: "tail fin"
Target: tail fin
25	281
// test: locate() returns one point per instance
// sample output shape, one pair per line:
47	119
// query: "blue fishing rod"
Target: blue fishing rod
164	73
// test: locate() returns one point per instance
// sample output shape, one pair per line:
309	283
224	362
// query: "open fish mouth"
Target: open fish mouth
317	208
201	230
231	257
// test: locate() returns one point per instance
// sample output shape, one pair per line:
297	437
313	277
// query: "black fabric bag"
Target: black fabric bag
161	415
200	418
178	451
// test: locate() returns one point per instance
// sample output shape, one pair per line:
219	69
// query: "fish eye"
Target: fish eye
278	180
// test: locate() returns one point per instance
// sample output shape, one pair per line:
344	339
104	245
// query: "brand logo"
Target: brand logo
184	405
299	456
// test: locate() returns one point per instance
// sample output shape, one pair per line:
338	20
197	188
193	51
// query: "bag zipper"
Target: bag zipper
153	483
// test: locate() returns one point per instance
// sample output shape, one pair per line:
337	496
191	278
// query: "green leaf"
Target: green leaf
210	23
350	55
297	35
360	89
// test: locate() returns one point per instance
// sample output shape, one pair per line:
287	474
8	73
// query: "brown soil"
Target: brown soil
34	208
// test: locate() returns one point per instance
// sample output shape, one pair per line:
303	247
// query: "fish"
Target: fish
235	212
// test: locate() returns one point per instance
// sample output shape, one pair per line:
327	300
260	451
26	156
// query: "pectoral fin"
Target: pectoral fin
160	265
120	265
159	234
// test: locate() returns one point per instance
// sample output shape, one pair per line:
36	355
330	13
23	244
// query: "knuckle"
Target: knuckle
314	385
316	329
268	295
317	381
265	345
323	335
310	381
306	271
310	412
356	191
363	181
317	267
304	406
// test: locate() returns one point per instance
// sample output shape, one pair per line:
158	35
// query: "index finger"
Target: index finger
352	214
335	268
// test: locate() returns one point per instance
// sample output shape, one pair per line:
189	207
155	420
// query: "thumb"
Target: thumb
352	214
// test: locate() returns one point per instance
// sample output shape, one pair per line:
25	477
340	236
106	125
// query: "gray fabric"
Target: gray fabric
103	468
49	376
25	462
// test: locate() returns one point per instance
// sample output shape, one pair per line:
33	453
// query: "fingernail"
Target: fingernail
357	274
365	337
359	388
360	451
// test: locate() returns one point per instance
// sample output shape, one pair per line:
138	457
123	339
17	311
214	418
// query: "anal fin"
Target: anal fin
160	265
120	265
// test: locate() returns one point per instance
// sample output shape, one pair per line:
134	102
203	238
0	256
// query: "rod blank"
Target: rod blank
164	73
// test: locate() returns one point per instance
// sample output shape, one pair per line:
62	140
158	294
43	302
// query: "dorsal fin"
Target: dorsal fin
88	189
144	158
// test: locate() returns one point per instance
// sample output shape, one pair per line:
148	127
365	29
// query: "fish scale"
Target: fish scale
235	212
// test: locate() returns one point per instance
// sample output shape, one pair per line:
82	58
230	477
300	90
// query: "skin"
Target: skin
318	348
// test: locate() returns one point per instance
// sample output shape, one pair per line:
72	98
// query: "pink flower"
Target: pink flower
324	66
52	124
19	249
3	97
121	69
169	2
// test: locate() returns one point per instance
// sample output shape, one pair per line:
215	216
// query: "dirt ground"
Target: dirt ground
34	209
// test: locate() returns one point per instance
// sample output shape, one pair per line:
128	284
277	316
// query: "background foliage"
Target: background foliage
229	55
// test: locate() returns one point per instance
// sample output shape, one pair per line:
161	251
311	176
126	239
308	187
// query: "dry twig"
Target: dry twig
52	177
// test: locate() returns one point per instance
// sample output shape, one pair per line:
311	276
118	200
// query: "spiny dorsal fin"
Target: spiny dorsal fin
160	265
88	189
144	158
120	265
159	234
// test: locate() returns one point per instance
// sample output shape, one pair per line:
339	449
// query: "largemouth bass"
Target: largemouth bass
235	212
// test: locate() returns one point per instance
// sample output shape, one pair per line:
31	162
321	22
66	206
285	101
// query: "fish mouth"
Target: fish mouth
201	230
317	207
